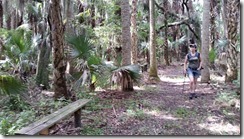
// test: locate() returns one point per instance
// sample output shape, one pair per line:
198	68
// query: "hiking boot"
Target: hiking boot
191	96
195	95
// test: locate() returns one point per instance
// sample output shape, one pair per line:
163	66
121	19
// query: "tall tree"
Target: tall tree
57	43
126	35
213	9
231	52
205	77
134	32
126	84
166	45
1	14
153	72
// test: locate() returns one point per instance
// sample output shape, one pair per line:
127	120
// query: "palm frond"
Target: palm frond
10	85
81	47
179	41
132	70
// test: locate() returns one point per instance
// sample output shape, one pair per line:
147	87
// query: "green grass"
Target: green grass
91	131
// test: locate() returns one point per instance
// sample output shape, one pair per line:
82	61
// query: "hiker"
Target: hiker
193	70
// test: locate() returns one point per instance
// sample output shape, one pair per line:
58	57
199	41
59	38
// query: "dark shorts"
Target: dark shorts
194	73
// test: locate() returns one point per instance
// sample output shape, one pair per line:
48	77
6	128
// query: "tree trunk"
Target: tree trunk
153	72
134	32
42	75
127	83
212	24
231	53
1	14
205	75
224	16
7	13
57	41
166	45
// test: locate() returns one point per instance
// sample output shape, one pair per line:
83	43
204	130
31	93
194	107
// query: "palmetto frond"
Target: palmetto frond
80	46
133	71
10	85
179	41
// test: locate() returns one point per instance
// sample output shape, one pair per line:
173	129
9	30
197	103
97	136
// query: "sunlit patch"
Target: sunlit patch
160	115
220	128
177	81
138	88
217	78
48	93
151	85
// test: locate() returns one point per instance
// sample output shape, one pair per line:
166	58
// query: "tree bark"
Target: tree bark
42	75
231	53
134	32
57	39
126	84
1	14
205	75
153	73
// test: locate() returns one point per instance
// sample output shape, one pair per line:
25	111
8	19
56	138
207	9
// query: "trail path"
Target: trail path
160	108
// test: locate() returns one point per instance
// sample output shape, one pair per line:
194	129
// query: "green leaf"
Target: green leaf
10	85
81	47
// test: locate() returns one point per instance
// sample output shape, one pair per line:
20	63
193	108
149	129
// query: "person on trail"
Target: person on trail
193	70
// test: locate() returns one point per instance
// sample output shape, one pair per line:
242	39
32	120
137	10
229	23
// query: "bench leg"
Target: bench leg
77	118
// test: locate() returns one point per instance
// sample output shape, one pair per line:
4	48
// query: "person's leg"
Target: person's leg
196	74
191	78
195	84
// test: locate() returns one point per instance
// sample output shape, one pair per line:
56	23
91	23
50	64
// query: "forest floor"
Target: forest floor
161	108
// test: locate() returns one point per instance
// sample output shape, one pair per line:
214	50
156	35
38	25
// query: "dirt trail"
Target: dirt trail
160	109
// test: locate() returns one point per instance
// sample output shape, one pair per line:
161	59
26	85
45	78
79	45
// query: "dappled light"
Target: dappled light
221	128
120	67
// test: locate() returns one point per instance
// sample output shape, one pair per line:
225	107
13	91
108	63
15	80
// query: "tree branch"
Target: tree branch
185	21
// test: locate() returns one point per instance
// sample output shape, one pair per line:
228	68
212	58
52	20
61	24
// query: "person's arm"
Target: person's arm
200	65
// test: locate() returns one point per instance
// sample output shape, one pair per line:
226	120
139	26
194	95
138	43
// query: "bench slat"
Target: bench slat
53	118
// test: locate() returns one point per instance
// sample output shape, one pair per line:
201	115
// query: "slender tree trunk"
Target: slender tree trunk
134	32
153	72
166	47
1	14
231	53
224	16
42	75
7	14
212	24
205	75
57	39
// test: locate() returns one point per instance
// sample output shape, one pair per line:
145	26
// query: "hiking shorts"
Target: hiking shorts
193	72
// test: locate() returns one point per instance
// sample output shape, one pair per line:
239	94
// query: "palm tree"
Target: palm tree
127	83
205	77
57	43
153	73
231	53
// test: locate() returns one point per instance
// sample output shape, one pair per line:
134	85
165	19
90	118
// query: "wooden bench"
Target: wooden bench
41	127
